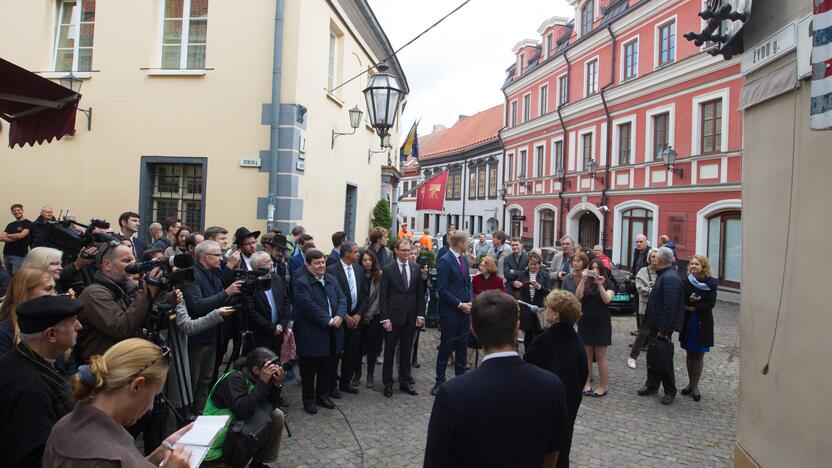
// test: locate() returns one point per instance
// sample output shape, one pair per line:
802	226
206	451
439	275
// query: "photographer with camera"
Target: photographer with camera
249	394
111	313
202	296
81	244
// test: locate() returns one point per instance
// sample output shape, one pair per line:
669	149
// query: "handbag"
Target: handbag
244	437
660	355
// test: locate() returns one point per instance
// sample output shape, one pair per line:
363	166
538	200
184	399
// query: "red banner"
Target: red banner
431	194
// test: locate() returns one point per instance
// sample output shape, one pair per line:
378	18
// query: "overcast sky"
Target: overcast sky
459	66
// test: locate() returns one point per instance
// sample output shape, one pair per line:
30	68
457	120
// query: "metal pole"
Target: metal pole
274	139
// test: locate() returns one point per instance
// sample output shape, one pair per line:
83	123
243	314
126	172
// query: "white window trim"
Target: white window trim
534	157
671	131
618	216
540	112
548	41
183	42
519	163
509	221
578	21
622	49
523	110
537	210
597	60
705	213
513	112
580	159
57	6
572	150
554	166
657	39
696	134
615	134
511	160
557	87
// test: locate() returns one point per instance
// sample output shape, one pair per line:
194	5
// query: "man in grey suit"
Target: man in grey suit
500	251
561	264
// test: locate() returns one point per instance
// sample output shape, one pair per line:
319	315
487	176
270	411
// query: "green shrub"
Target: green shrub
382	216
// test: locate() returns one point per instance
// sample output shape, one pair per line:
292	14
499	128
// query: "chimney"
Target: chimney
438	127
463	117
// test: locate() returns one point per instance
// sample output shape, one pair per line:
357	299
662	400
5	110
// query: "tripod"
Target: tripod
183	387
244	340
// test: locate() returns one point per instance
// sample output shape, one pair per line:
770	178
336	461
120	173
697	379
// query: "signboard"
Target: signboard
518	218
769	50
249	163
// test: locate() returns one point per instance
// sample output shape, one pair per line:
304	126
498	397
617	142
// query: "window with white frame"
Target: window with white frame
711	126
74	32
586	147
661	133
587	16
667	43
332	63
184	34
527	107
549	43
557	155
544	100
513	113
520	64
630	62
523	161
625	135
539	161
592	77
511	166
563	90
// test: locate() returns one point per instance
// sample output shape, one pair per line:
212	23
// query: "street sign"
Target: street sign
249	163
518	218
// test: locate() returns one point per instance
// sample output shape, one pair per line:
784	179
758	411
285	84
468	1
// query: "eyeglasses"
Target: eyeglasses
110	245
165	354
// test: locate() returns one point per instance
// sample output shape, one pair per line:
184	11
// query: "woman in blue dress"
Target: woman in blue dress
698	331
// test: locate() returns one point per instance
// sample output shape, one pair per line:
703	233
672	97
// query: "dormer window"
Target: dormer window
549	42
587	16
520	64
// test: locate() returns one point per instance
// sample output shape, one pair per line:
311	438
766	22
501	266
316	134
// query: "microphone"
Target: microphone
178	261
534	309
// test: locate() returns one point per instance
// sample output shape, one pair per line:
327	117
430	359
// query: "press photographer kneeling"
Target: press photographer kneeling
249	394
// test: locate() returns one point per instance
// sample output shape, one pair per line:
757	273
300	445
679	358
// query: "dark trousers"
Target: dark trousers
454	337
373	339
415	354
663	373
641	340
315	375
403	336
351	357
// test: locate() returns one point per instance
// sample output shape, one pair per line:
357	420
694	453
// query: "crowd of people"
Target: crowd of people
118	323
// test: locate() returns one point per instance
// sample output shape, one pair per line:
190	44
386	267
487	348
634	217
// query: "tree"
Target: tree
381	215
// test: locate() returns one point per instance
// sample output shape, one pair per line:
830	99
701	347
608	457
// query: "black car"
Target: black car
625	300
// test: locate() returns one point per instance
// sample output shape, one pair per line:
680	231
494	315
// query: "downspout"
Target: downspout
609	142
274	131
565	148
502	226
464	193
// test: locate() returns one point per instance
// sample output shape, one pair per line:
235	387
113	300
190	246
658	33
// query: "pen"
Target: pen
167	446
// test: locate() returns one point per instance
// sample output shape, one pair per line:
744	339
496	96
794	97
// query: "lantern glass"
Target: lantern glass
385	141
560	172
355	117
669	156
383	94
592	166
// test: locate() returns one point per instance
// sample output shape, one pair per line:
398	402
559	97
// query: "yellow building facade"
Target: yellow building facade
181	95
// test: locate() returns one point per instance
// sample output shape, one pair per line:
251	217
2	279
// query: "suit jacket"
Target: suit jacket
505	413
139	246
334	257
311	313
337	270
260	321
398	302
453	284
524	294
518	264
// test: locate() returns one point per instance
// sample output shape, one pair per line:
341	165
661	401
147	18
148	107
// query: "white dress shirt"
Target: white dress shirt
499	355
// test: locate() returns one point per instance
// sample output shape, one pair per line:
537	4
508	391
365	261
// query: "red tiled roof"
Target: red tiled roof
468	132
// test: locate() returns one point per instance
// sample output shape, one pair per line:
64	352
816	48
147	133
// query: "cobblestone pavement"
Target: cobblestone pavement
621	429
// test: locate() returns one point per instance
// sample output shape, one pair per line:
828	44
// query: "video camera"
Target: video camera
253	281
63	237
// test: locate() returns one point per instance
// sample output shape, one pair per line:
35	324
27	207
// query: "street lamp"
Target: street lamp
74	83
383	95
668	156
592	167
561	175
385	147
355	122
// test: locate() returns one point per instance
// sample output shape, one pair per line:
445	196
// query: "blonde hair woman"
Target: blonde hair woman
46	259
27	284
698	330
113	391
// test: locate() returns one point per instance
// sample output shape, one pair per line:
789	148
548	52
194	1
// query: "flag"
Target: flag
411	143
821	107
431	194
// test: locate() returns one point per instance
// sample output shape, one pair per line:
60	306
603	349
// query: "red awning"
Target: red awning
38	109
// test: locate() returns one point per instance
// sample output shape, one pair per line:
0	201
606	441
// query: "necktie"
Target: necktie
353	292
461	265
404	275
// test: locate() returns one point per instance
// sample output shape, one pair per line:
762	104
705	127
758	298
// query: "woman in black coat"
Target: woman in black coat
560	350
698	330
529	287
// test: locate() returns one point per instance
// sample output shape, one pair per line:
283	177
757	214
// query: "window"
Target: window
725	247
631	60
513	113
711	133
74	35
587	149
624	138
520	64
527	107
510	167
523	161
557	155
454	189
587	16
333	61
516	224
492	181
563	90
481	182
543	108
176	190
185	33
634	222
539	161
546	228
549	45
667	43
591	77
661	130
472	184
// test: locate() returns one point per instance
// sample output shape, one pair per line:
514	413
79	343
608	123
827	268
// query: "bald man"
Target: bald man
640	253
40	227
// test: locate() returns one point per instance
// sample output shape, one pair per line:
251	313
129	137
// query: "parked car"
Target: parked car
625	300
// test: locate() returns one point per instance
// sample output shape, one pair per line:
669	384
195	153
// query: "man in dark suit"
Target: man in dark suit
270	316
350	277
129	223
338	238
515	263
319	312
453	281
401	302
505	413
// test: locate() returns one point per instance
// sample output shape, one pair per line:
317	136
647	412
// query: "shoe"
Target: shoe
415	365
696	396
631	363
411	380
388	390
309	407
598	395
644	391
685	391
634	333
668	399
408	388
335	393
348	389
435	389
326	403
370	381
587	392
356	380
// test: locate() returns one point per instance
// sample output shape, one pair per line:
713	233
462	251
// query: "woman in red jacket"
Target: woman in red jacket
487	279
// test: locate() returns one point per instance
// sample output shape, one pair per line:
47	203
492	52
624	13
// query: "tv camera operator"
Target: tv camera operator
80	244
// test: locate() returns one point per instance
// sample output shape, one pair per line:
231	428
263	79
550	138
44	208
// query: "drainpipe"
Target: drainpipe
565	146
609	141
502	226
274	139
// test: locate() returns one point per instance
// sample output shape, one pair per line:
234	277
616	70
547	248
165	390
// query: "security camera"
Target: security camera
604	208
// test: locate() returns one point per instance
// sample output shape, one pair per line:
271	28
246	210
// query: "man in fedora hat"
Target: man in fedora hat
246	242
34	395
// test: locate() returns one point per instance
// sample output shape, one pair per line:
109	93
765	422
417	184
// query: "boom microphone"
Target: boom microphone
178	261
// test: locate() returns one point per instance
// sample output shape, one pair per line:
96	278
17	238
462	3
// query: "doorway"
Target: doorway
588	230
725	247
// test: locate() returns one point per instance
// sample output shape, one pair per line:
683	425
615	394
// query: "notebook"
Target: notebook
198	440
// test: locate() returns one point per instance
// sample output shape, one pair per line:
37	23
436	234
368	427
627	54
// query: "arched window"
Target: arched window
546	227
634	222
725	247
516	224
587	16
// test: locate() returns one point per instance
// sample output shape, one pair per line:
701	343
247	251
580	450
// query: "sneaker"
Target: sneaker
631	363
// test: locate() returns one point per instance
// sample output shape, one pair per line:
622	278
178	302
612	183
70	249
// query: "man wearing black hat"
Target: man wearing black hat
33	394
246	242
